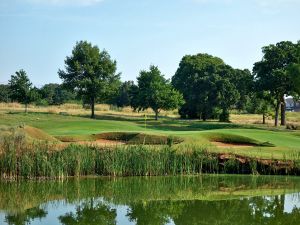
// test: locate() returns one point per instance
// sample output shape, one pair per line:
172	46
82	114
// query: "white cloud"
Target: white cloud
66	2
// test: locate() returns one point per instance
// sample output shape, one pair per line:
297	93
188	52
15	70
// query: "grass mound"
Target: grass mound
237	140
38	134
130	138
27	132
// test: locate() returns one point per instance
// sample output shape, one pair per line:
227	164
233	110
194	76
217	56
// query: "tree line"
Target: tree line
203	87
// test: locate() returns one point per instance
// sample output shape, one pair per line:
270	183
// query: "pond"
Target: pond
184	200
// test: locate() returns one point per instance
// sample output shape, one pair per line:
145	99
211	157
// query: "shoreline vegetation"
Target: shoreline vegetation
50	160
37	145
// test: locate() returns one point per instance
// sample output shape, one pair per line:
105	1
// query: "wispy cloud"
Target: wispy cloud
66	2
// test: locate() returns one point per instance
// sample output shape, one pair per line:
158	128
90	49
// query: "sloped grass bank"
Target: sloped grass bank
27	133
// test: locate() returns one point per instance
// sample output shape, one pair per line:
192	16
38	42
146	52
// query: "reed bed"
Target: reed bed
42	160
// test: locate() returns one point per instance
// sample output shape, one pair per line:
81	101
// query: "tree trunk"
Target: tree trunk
283	108
277	113
264	118
204	116
93	107
26	106
156	114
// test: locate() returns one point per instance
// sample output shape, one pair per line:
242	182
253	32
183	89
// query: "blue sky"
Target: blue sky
37	35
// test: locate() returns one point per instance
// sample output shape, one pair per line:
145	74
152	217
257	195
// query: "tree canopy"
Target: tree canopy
5	93
155	92
272	73
209	86
123	96
91	72
21	88
56	94
203	87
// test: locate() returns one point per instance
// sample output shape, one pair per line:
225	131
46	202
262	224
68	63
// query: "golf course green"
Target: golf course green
248	140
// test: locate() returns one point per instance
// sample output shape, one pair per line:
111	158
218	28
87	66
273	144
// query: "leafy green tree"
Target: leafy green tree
293	72
272	73
261	103
244	82
155	92
226	92
91	72
134	96
62	96
194	80
56	94
209	86
4	93
21	88
123	97
48	92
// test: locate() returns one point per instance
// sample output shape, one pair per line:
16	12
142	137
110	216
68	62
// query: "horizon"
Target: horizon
37	35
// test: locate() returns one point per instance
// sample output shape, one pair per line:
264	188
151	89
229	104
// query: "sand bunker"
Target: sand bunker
231	145
100	142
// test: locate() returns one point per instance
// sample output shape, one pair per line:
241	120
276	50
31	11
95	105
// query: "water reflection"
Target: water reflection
233	200
90	212
25	217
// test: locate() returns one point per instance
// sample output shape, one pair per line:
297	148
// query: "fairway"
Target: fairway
286	144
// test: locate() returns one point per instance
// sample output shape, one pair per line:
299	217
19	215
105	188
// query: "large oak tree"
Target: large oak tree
210	87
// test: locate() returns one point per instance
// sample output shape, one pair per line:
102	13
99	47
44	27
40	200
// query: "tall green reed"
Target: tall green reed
41	160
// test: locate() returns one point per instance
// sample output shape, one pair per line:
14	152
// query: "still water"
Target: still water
215	200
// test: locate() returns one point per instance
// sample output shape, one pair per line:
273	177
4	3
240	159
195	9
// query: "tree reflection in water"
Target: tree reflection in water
154	213
248	211
199	200
25	217
253	211
90	212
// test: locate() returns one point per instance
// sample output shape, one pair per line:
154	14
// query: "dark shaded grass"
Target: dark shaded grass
236	139
190	125
130	138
